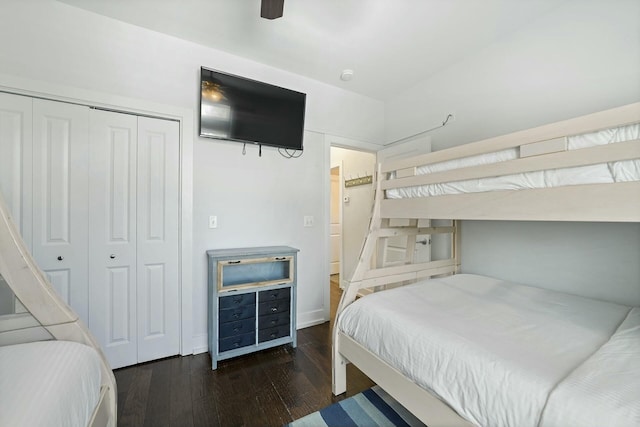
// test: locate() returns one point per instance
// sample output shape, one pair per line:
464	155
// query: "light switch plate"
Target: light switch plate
308	221
213	221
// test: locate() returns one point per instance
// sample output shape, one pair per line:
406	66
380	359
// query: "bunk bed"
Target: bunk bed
52	371
461	349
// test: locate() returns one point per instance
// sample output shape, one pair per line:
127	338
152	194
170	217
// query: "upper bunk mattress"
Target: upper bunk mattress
622	171
493	350
48	383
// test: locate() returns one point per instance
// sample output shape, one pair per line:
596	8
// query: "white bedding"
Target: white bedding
605	390
492	350
48	383
628	170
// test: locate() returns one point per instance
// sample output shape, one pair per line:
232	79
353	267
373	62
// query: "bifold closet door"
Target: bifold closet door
60	191
113	234
133	198
157	268
15	159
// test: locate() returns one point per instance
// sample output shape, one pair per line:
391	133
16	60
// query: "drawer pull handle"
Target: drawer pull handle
280	258
236	329
237	300
234	262
274	309
273	322
236	344
273	335
236	315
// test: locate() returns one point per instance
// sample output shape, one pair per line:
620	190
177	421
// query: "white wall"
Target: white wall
259	201
357	212
581	58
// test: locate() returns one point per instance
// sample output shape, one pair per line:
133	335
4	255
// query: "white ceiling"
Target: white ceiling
391	45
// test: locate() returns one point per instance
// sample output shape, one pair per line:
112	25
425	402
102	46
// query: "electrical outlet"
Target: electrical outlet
213	221
308	221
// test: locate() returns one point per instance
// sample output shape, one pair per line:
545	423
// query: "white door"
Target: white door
158	295
113	234
60	220
15	159
134	237
336	221
16	171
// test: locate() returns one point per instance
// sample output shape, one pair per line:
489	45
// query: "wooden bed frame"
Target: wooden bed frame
540	148
46	316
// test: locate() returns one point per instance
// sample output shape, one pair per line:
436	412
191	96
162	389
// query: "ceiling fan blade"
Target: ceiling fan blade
271	9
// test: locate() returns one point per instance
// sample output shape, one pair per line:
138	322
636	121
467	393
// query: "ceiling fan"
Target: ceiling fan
271	9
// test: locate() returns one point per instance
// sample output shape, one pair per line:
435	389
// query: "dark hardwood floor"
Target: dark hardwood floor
268	388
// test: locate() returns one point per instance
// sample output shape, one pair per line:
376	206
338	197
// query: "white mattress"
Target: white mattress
628	170
605	390
492	350
48	383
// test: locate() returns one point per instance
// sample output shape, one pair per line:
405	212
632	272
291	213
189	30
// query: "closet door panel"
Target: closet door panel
112	247
157	269
60	190
16	159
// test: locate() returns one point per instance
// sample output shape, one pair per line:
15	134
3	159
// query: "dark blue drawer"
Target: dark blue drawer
237	328
273	307
239	300
274	294
238	341
273	333
272	320
233	314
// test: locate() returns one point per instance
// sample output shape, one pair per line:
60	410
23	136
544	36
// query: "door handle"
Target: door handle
424	241
60	258
112	256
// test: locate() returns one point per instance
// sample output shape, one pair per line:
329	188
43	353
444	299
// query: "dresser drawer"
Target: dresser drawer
237	328
275	294
272	320
239	300
237	341
233	314
273	333
273	307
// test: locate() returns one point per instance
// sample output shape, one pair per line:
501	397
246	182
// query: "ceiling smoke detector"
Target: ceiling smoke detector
346	75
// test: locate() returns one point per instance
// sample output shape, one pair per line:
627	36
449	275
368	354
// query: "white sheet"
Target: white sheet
594	174
492	350
605	390
48	383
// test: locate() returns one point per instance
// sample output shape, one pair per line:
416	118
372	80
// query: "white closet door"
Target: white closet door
15	159
60	158
158	293
112	235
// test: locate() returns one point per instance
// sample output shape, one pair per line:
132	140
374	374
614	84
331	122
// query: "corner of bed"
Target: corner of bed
53	370
581	169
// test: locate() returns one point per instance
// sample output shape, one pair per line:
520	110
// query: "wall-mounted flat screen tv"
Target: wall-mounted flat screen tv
244	110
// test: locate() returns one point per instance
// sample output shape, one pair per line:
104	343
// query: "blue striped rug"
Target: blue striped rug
371	408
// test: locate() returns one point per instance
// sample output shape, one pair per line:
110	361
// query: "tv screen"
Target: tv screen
244	110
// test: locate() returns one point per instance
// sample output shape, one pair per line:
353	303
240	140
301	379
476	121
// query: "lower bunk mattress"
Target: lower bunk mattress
48	383
504	354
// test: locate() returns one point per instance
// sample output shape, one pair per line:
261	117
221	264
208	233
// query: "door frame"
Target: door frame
91	98
339	166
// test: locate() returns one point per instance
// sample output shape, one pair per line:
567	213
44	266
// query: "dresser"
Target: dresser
251	300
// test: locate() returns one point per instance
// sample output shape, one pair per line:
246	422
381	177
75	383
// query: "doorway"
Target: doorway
350	212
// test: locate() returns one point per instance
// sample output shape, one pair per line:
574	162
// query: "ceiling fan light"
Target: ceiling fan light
271	9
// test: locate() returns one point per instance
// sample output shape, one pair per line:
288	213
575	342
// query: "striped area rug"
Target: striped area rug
371	408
